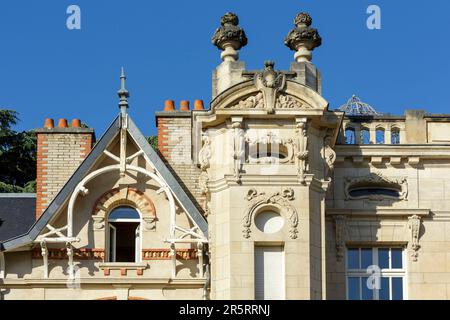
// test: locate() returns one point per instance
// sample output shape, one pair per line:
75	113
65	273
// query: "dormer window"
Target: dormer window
124	230
350	136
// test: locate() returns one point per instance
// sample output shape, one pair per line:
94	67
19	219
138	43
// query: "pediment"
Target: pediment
248	97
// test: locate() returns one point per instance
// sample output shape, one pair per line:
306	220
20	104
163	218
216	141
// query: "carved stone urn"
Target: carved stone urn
229	37
303	39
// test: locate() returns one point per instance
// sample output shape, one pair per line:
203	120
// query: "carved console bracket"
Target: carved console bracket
302	148
414	223
340	229
281	200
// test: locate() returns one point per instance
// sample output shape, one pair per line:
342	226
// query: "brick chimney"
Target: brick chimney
60	150
175	143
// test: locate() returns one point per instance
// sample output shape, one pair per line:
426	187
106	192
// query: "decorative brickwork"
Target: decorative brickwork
164	254
59	153
78	254
117	196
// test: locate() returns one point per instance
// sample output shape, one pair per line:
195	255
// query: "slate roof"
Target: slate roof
17	214
180	195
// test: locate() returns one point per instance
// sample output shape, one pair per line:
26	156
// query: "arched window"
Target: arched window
379	136
395	136
365	136
124	230
350	135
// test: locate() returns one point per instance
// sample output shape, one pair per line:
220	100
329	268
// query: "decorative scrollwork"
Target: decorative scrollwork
414	223
280	200
376	180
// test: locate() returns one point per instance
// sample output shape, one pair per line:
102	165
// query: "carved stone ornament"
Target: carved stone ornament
329	155
229	37
303	38
340	229
414	223
204	155
269	82
376	180
302	149
279	199
238	149
270	143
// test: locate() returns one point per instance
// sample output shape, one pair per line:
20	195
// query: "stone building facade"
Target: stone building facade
267	194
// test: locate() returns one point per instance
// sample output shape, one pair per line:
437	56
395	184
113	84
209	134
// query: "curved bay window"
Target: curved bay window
124	235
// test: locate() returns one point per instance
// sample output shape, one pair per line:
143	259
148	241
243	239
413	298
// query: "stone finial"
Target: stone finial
123	93
229	37
303	39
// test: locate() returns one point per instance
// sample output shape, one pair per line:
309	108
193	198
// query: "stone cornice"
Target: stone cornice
377	212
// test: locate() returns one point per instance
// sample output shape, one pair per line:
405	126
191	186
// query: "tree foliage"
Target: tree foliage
17	156
153	141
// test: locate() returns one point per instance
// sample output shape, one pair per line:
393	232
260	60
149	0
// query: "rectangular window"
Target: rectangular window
376	274
269	273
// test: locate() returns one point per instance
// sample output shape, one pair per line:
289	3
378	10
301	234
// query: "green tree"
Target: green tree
153	141
17	156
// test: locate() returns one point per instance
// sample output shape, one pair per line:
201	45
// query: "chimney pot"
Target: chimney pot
184	105
169	105
198	105
76	123
49	124
62	123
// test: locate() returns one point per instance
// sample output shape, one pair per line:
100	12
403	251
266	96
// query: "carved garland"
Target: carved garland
124	196
414	223
281	200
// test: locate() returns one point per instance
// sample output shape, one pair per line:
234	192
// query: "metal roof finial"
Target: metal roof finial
123	93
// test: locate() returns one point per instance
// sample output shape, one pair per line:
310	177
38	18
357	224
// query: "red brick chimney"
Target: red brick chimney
60	150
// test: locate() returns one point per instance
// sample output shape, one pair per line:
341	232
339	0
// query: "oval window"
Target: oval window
269	221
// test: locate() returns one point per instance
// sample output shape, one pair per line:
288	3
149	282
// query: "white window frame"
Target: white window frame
138	243
385	272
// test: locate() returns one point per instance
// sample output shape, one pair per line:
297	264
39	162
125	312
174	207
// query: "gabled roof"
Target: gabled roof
17	213
63	196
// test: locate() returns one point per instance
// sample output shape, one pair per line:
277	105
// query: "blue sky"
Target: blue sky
47	70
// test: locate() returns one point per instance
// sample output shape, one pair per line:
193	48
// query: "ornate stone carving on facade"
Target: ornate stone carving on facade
204	157
303	39
270	82
124	196
279	199
229	37
252	102
270	145
376	180
289	102
329	155
414	223
302	149
283	101
238	148
340	232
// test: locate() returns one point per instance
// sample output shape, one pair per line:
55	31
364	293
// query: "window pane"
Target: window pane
367	293
124	213
384	291
366	258
353	258
397	288
383	258
365	136
397	262
353	288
